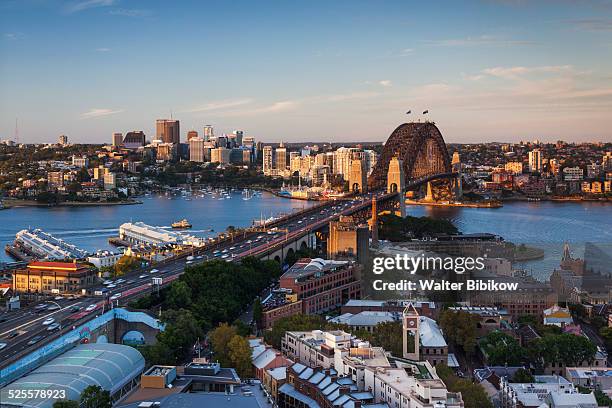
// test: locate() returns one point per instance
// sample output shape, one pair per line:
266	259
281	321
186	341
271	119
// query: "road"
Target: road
23	326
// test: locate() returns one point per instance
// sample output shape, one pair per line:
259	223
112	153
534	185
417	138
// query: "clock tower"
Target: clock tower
410	326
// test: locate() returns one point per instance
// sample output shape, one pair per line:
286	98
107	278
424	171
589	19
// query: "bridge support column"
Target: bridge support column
396	183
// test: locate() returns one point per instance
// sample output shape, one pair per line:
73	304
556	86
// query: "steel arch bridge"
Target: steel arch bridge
421	149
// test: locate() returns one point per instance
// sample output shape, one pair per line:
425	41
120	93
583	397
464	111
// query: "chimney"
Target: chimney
327	371
356	404
344	390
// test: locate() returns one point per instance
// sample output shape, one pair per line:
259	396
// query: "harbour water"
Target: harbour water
545	225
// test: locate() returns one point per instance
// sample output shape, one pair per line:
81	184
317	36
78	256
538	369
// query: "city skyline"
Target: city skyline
486	70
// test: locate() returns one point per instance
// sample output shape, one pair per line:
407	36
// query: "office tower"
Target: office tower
63	140
208	133
110	181
168	131
134	139
220	155
268	160
196	150
117	139
371	158
535	161
222	141
249	141
191	134
239	134
606	161
167	151
281	158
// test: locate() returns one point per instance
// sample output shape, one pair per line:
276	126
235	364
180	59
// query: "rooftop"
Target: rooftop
306	267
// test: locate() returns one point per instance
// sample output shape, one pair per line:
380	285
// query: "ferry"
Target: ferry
182	224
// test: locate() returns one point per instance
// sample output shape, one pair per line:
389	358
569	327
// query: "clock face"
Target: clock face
411	323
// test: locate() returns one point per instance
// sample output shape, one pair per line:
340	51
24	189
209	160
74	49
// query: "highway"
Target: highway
23	330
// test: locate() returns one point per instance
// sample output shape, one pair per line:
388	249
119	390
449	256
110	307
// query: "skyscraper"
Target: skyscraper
196	150
117	139
281	158
63	140
191	134
535	161
239	136
268	160
168	131
208	133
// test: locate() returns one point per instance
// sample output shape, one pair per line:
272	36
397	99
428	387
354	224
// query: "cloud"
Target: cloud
103	49
518	71
280	106
348	96
593	24
98	112
217	105
13	36
385	82
131	13
76	7
483	40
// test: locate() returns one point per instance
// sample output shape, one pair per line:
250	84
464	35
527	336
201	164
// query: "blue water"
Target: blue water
546	225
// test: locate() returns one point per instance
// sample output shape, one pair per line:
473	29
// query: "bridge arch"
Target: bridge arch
421	149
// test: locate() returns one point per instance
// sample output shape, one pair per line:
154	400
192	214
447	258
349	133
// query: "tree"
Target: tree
66	404
460	328
474	395
176	341
125	264
179	295
95	397
565	348
299	322
220	338
257	311
606	334
388	335
240	355
522	376
502	349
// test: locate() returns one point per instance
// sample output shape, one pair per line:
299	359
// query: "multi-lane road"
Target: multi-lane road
23	330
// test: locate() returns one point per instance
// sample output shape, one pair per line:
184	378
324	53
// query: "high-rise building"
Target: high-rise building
196	150
63	140
134	139
535	161
514	167
239	134
117	139
168	131
220	155
606	161
191	134
208	133
281	158
167	151
110	181
268	160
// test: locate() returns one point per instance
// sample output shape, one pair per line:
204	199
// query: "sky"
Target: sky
486	70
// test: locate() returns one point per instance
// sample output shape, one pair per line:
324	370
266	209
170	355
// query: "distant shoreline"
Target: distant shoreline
10	203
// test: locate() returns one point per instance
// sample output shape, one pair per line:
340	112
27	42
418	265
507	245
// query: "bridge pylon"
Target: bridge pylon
396	183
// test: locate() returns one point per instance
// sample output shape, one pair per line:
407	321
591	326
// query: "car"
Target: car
35	340
48	321
107	282
225	256
112	285
52	308
115	296
58	298
53	326
190	258
188	262
12	335
91	307
74	309
232	248
224	251
2	345
216	251
142	276
300	221
71	297
249	241
3	319
260	236
154	271
199	257
42	306
130	282
120	281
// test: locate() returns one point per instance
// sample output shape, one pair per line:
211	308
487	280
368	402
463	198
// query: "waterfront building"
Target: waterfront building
593	170
42	245
141	233
104	259
268	160
208	133
54	277
347	239
319	175
168	131
55	179
110	181
134	139
196	149
573	174
99	172
535	161
117	139
62	140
